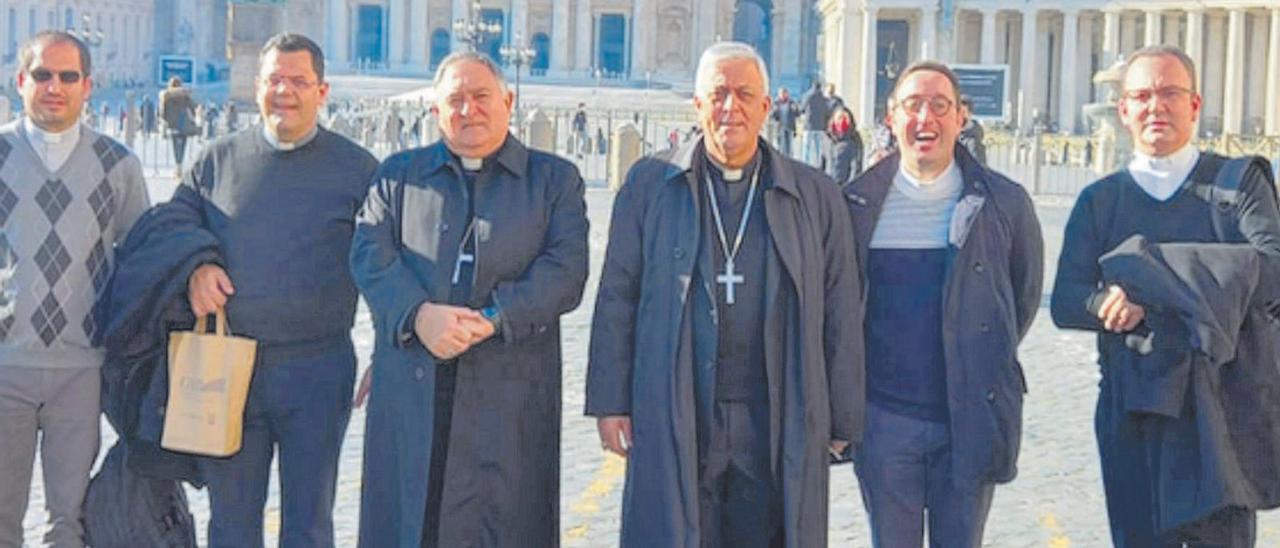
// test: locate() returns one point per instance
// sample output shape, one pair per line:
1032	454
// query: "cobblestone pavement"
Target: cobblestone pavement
1056	501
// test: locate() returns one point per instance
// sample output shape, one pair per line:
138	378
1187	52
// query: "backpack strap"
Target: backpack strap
1224	194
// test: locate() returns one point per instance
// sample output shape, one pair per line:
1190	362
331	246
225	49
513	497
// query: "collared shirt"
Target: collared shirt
53	148
1162	176
277	144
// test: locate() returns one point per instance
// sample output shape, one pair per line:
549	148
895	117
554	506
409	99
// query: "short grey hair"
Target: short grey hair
1162	50
721	52
464	57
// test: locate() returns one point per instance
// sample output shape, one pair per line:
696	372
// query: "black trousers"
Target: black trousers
1129	449
740	504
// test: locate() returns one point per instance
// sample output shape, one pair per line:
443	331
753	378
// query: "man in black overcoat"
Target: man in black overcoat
725	358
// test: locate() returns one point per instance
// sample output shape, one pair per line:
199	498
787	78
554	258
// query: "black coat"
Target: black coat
642	351
1205	360
145	299
502	485
842	156
991	296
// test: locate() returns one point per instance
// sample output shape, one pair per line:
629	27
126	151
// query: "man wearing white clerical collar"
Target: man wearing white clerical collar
725	356
281	201
1152	412
468	251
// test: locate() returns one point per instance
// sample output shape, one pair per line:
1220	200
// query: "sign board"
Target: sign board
182	66
987	87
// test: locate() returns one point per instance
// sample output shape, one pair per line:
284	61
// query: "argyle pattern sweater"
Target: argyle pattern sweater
58	231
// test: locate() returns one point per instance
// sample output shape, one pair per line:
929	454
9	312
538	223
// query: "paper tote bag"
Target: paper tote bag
209	377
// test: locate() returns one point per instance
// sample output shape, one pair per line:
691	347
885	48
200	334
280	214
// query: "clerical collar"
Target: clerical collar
283	146
1162	176
471	164
733	175
53	148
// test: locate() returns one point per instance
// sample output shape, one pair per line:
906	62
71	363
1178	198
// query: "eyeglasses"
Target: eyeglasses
1164	94
938	104
296	82
43	75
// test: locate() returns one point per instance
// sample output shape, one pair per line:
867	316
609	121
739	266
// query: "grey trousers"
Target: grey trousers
61	407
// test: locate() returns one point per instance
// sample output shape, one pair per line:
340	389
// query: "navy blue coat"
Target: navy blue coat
992	293
502	486
642	358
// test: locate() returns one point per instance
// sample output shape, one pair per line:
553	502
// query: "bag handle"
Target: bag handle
220	323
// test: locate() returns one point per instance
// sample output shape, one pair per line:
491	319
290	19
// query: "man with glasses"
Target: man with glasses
281	199
725	358
952	264
1186	432
67	196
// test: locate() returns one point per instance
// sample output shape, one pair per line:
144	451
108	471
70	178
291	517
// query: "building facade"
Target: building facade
623	39
119	33
1053	49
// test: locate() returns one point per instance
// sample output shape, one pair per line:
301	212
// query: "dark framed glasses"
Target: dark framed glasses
43	75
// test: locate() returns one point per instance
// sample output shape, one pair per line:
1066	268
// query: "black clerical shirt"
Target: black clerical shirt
740	365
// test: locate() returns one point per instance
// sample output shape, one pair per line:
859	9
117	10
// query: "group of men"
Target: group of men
754	321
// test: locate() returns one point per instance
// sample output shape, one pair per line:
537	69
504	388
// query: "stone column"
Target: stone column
1273	76
1152	28
1195	42
850	71
1110	37
396	19
929	32
641	21
988	52
705	34
869	68
582	38
1067	106
461	10
1026	71
560	36
1233	100
419	31
519	32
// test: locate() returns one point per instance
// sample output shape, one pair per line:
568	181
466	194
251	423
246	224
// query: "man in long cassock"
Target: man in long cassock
468	252
953	264
725	349
1188	443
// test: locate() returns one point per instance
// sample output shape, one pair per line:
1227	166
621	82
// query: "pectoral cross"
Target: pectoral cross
730	279
463	257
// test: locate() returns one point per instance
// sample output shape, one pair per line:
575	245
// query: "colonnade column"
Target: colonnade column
1233	87
869	68
1067	101
988	54
1273	76
1026	77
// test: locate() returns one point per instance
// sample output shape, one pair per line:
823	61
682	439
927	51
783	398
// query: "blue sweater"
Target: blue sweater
285	221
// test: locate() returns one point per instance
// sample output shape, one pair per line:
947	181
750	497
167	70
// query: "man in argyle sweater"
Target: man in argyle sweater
67	196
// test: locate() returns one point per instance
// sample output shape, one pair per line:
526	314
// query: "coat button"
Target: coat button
542	329
977	267
443	227
678	253
991	395
420	372
984	328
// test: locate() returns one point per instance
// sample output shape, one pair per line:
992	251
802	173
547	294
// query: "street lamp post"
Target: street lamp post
518	54
472	30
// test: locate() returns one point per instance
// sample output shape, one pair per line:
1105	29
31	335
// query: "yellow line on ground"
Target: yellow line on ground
606	479
1056	537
